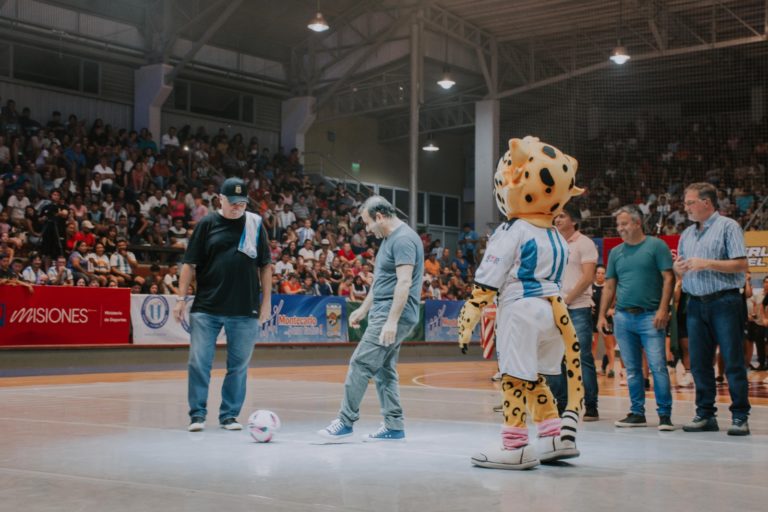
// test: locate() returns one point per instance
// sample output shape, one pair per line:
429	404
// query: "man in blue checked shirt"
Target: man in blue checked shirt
712	261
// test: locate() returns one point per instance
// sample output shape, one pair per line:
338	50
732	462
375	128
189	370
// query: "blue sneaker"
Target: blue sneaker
336	431
384	434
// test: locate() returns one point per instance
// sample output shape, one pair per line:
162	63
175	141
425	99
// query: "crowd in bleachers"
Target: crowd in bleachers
648	164
89	204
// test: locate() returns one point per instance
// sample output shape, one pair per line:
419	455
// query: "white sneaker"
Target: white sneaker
196	424
553	448
499	458
231	424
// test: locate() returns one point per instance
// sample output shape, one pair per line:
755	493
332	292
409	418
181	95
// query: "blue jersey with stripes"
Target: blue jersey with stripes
522	260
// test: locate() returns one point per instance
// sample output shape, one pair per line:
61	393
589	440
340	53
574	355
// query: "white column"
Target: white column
298	114
149	93
486	158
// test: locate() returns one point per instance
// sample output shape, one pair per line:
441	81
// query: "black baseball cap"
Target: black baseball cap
234	189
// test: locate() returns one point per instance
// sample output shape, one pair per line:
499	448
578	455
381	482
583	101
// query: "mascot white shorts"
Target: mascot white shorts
527	340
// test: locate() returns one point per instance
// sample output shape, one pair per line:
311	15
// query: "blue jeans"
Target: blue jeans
372	360
241	334
582	322
635	333
712	324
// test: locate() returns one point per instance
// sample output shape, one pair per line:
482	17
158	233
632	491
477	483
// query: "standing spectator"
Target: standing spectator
285	218
394	311
305	232
467	242
229	278
577	293
640	277
712	261
54	214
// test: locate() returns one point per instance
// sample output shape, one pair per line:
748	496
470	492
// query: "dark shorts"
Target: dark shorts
755	332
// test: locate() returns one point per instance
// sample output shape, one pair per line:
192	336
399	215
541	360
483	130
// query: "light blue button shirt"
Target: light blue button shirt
720	238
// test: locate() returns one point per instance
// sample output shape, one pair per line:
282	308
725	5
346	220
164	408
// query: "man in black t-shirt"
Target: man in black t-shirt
229	278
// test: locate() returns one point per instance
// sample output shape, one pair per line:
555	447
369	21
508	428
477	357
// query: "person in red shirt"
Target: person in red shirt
345	254
85	235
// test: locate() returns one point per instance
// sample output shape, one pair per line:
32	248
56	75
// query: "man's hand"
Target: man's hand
661	318
695	264
265	312
388	333
602	324
681	266
178	309
355	318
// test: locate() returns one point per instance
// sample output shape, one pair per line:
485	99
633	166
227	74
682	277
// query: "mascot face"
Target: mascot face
534	180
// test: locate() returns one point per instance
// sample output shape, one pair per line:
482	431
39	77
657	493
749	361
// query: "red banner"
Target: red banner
64	315
610	243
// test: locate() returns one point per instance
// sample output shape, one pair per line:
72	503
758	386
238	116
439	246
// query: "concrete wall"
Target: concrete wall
356	140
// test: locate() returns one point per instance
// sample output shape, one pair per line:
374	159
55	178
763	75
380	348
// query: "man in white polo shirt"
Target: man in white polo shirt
577	293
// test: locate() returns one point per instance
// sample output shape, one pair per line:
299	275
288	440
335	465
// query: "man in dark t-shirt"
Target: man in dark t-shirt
229	255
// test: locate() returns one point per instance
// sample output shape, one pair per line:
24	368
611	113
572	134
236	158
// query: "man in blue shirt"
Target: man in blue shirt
467	242
393	303
712	261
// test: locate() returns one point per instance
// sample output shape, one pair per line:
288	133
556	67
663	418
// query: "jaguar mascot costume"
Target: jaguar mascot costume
523	264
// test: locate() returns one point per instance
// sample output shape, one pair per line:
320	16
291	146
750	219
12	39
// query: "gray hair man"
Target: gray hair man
392	307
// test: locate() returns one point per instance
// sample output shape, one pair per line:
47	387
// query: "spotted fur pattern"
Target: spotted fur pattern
472	311
522	397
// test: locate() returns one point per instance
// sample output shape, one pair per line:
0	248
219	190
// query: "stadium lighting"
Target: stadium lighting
619	55
447	81
430	146
318	23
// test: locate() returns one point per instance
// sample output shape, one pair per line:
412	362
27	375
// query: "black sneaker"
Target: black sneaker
230	424
632	420
739	427
665	424
196	424
591	414
699	424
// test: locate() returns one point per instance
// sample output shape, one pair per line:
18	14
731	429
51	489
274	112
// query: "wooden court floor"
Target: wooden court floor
446	375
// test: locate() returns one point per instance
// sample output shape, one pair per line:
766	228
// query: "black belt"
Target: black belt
636	311
714	296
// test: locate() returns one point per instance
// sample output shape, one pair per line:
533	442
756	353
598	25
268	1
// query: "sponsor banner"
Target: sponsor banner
611	242
441	319
295	319
154	324
757	251
300	319
64	315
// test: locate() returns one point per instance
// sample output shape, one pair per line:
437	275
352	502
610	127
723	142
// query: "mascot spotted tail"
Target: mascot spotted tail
524	264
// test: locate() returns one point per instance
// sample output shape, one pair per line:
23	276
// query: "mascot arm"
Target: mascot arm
472	311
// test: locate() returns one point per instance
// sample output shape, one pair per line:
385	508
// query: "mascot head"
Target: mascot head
534	180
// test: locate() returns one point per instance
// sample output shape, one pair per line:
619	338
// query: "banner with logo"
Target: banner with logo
153	322
64	315
441	319
301	318
757	251
295	319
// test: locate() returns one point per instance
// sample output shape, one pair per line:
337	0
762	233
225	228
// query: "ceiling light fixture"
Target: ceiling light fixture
447	81
619	55
318	23
430	145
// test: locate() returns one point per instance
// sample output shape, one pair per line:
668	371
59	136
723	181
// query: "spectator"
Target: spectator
123	264
59	274
468	242
358	291
34	274
98	264
431	266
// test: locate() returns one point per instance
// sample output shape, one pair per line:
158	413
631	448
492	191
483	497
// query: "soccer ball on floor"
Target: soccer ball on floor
262	425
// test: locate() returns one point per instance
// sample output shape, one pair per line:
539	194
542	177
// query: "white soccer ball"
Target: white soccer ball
262	425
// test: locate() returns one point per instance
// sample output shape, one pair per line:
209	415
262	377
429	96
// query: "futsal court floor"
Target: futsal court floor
118	442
